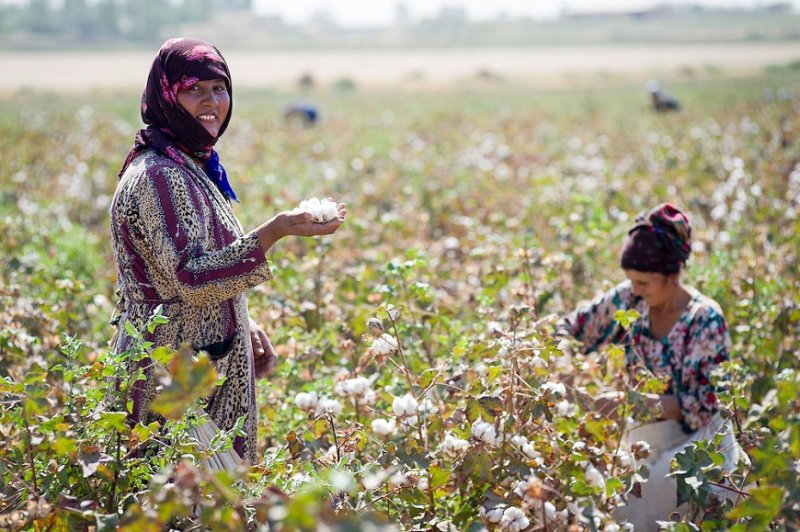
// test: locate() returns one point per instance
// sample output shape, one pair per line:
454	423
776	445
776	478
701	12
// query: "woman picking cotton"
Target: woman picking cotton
177	242
680	334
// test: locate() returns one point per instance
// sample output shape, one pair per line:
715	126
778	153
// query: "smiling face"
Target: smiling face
208	102
655	288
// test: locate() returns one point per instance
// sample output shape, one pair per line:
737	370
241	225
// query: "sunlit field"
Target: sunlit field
476	216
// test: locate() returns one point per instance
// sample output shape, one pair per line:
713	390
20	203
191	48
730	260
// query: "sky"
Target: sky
365	13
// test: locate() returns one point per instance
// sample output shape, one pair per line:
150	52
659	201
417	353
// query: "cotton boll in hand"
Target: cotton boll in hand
322	211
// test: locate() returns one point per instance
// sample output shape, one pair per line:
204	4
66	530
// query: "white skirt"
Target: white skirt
659	494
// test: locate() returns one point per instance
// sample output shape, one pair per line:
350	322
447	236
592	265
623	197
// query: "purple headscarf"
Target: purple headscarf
179	64
659	242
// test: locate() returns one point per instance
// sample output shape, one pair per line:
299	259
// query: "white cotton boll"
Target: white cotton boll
514	519
550	512
492	515
625	459
640	449
538	362
454	446
484	432
398	480
385	344
565	408
594	477
352	387
427	406
306	400
384	427
329	406
370	396
519	441
321	210
530	452
410	422
555	388
405	406
611	527
423	485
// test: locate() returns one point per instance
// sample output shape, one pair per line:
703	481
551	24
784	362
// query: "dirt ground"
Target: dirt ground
544	66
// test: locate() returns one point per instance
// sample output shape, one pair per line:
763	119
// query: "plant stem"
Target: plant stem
30	456
335	439
112	495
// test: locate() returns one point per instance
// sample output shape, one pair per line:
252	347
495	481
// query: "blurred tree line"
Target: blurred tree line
103	20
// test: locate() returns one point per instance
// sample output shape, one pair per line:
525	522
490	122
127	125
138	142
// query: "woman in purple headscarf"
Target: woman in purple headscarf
681	334
178	244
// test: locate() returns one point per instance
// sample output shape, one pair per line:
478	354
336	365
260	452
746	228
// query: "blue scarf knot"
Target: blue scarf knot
218	175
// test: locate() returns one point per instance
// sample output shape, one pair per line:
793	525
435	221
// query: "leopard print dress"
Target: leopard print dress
177	243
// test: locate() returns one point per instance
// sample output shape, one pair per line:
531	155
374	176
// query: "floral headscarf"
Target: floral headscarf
659	242
179	64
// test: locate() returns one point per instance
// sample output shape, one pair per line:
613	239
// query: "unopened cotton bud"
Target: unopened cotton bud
640	449
375	326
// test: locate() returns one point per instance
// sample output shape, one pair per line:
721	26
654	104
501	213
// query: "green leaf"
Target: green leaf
163	355
439	476
473	410
761	507
107	522
188	380
626	317
427	377
115	420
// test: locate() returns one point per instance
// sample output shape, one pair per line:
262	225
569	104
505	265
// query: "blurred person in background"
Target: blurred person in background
177	242
681	334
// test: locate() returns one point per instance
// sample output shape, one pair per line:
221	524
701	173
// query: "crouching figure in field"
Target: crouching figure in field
681	335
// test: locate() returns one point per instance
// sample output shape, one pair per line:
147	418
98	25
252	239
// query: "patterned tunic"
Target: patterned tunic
178	244
697	342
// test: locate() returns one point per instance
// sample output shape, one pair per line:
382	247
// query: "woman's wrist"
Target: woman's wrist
269	233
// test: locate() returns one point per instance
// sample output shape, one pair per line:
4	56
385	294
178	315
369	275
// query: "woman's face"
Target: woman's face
208	102
654	288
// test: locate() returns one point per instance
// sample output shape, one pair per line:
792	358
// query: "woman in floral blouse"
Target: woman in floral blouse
681	334
178	244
